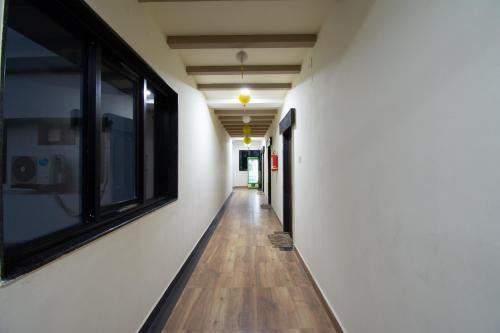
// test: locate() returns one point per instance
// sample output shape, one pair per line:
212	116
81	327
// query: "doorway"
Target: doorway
261	170
286	130
269	171
287	182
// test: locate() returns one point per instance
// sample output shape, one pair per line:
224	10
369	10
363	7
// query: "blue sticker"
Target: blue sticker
43	161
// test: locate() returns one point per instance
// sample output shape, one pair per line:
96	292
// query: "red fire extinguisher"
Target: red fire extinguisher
274	161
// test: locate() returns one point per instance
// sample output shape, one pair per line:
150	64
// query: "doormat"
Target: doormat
281	240
265	206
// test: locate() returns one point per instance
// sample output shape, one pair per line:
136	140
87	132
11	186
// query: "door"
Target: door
269	170
286	130
261	170
287	182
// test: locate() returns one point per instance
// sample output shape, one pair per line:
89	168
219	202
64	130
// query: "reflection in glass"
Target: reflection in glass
42	142
118	137
149	143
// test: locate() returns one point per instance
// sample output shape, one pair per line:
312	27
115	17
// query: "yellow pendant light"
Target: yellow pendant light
244	96
247	129
247	141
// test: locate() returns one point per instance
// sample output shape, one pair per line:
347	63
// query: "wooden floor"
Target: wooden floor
243	284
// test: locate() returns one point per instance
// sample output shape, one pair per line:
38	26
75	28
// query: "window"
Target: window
90	133
244	155
118	137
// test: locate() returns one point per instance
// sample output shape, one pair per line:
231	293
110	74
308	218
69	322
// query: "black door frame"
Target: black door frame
261	169
286	130
269	144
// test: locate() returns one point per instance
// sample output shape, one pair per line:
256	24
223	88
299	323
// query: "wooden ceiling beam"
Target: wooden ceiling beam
240	128
269	122
159	1
241	125
251	124
242	41
252	134
252	118
249	69
250	112
254	128
237	86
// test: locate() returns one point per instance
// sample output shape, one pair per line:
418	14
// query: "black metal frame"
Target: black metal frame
77	15
286	130
269	145
107	211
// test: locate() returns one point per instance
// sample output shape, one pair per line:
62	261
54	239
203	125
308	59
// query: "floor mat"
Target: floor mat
281	240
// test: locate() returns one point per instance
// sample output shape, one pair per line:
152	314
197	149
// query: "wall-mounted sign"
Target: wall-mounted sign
274	162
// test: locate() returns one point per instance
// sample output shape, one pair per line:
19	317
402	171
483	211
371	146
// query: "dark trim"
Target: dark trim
287	139
288	121
329	311
262	169
91	134
3	172
159	316
269	144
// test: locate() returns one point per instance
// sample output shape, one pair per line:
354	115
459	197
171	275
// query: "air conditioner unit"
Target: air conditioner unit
37	171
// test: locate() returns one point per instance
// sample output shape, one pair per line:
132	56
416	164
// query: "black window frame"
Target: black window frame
79	18
244	155
106	211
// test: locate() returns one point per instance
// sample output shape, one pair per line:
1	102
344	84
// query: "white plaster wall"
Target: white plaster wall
397	196
112	284
240	178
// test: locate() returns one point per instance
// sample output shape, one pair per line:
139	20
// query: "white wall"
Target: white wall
397	196
240	178
112	284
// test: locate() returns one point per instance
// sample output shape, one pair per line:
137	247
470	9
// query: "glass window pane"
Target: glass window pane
42	112
118	137
149	143
253	170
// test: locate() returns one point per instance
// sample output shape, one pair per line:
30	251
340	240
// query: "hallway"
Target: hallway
159	157
243	284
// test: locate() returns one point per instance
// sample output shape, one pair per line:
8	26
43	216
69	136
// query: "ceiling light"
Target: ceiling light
246	119
244	96
247	129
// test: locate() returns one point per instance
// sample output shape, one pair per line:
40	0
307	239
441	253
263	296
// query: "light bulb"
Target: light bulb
244	96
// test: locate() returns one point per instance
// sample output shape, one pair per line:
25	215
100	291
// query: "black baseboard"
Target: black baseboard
160	314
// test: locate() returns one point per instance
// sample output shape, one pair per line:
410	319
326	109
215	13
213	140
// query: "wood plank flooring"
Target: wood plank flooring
243	284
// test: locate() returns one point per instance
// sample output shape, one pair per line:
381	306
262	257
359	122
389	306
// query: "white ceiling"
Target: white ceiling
241	18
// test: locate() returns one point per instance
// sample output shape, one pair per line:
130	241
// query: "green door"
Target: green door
253	172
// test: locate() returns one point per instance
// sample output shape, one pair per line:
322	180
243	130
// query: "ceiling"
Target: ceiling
272	32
